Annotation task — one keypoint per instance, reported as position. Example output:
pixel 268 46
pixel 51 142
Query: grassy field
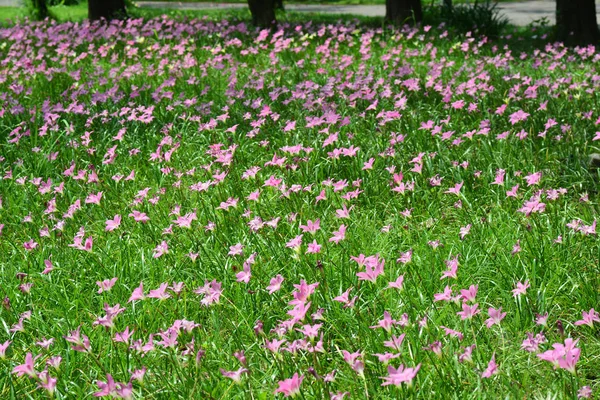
pixel 191 208
pixel 62 13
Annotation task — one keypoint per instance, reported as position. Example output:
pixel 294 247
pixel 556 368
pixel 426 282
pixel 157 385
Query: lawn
pixel 192 208
pixel 62 13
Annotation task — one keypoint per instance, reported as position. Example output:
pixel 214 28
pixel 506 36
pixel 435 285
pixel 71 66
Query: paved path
pixel 519 13
pixel 11 3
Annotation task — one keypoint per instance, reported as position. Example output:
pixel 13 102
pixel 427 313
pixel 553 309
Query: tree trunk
pixel 576 22
pixel 107 9
pixel 400 12
pixel 263 13
pixel 40 9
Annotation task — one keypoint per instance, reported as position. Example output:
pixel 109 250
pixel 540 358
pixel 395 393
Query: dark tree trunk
pixel 107 9
pixel 576 22
pixel 263 13
pixel 40 9
pixel 400 12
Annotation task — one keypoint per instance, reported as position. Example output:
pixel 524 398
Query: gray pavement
pixel 519 13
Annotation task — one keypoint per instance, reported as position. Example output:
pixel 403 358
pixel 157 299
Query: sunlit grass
pixel 198 209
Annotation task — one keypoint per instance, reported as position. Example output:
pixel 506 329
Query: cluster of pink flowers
pixel 187 203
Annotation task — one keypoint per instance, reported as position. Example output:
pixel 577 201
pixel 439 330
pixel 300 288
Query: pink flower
pixel 138 375
pixel 311 227
pixel 160 293
pixel 357 366
pixel 446 295
pixel 78 240
pixel 186 220
pixel 435 347
pixel 298 313
pixel 386 323
pixel 470 293
pixel 94 198
pixel 236 376
pixel 160 249
pixel 112 224
pixel 585 392
pixel 30 245
pixel 467 354
pixel 495 317
pixel 339 395
pixel 339 235
pixel 26 368
pixel 518 117
pixel 79 342
pixel 114 389
pixel 492 368
pixel 400 375
pixel 395 343
pixel 3 348
pixel 563 356
pixel 137 294
pixel 245 274
pixel 124 336
pixel 372 271
pixel 521 288
pixel 452 332
pixel 532 343
pixel 275 284
pixel 106 284
pixel 139 216
pixel 295 242
pixel 499 179
pixel 533 205
pixel 344 298
pixel 48 267
pixel 513 191
pixel 452 265
pixel 397 284
pixel 313 248
pixel 541 319
pixel 310 331
pixel 534 178
pixel 468 311
pixel 464 231
pixel 212 292
pixel 455 190
pixel 236 250
pixel 589 318
pixel 45 381
pixel 368 164
pixel 290 387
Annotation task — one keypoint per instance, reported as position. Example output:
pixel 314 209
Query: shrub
pixel 481 18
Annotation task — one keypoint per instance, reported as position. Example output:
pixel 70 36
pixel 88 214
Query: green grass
pixel 62 13
pixel 12 13
pixel 179 118
pixel 70 13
